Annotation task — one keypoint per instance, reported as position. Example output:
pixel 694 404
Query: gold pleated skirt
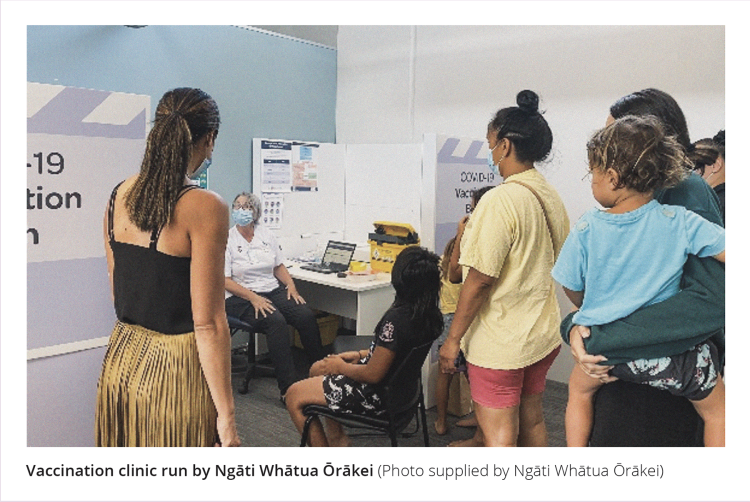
pixel 152 391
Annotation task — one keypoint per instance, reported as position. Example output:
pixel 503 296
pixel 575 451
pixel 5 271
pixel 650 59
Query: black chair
pixel 402 395
pixel 236 325
pixel 346 343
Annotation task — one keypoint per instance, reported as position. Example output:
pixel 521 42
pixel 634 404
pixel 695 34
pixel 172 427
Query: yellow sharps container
pixel 388 240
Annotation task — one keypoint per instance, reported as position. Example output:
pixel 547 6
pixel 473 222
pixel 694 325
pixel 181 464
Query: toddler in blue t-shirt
pixel 630 255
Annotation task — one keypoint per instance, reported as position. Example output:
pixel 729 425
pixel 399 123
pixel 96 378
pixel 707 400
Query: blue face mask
pixel 242 217
pixel 491 163
pixel 495 170
pixel 201 169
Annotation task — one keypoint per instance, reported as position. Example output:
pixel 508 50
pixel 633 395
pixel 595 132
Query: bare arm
pixel 720 257
pixel 474 293
pixel 454 269
pixel 575 297
pixel 319 368
pixel 373 372
pixel 207 223
pixel 282 274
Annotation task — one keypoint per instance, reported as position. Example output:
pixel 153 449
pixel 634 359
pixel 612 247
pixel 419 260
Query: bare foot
pixel 473 441
pixel 468 422
pixel 440 427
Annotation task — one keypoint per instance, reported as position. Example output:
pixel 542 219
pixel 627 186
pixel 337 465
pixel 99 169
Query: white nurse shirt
pixel 251 264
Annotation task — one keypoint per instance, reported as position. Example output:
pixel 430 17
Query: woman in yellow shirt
pixel 507 317
pixel 450 287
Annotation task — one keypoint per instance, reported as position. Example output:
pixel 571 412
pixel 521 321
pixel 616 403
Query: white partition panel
pixel 383 183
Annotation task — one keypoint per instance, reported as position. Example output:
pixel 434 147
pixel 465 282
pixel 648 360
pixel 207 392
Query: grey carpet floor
pixel 263 421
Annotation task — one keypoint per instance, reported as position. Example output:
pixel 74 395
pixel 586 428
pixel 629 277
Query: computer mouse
pixel 341 275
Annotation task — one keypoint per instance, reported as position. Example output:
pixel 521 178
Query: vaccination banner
pixel 80 144
pixel 461 169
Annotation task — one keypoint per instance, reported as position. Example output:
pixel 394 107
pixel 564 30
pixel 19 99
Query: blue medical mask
pixel 242 217
pixel 201 169
pixel 491 163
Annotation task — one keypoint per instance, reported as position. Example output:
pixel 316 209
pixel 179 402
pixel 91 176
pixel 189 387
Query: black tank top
pixel 151 288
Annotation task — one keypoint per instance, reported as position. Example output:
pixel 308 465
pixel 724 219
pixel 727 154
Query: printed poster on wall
pixel 305 166
pixel 288 166
pixel 272 210
pixel 276 166
pixel 461 169
pixel 80 144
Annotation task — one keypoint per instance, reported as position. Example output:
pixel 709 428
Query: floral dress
pixel 346 395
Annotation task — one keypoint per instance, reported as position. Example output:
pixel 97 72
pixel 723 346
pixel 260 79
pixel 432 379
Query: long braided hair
pixel 184 116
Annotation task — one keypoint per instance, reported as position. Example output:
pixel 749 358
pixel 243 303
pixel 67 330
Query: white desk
pixel 363 301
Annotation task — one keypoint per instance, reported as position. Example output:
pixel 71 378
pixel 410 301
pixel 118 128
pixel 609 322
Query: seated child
pixel 352 382
pixel 630 255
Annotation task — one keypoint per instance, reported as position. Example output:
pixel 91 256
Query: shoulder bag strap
pixel 544 211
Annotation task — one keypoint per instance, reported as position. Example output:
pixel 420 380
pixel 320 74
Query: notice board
pixel 308 178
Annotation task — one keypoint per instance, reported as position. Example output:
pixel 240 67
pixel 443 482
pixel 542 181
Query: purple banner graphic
pixel 461 170
pixel 65 114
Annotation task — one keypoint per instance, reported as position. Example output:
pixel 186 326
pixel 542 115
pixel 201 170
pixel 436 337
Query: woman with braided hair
pixel 165 380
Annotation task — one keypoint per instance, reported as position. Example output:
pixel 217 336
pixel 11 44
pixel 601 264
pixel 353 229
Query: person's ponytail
pixel 183 117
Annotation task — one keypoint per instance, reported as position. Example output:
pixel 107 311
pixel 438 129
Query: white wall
pixel 396 83
pixel 383 183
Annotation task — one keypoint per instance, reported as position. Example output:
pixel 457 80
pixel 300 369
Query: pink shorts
pixel 498 389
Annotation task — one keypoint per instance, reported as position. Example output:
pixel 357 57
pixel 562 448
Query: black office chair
pixel 402 395
pixel 346 343
pixel 236 325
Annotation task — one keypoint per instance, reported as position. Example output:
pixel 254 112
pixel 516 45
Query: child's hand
pixel 462 224
pixel 584 331
pixel 351 357
pixel 330 365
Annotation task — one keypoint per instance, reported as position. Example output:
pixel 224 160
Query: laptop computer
pixel 336 258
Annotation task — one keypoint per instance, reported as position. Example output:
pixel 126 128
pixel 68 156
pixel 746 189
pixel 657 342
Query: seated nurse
pixel 260 291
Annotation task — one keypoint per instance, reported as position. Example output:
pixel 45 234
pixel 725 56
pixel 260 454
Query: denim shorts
pixel 447 320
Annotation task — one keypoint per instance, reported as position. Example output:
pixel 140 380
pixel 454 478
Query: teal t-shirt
pixel 678 323
pixel 627 261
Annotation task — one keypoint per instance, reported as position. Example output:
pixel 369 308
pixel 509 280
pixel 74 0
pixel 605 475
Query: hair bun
pixel 528 101
pixel 719 138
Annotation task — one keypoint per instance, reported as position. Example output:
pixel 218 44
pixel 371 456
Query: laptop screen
pixel 338 254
